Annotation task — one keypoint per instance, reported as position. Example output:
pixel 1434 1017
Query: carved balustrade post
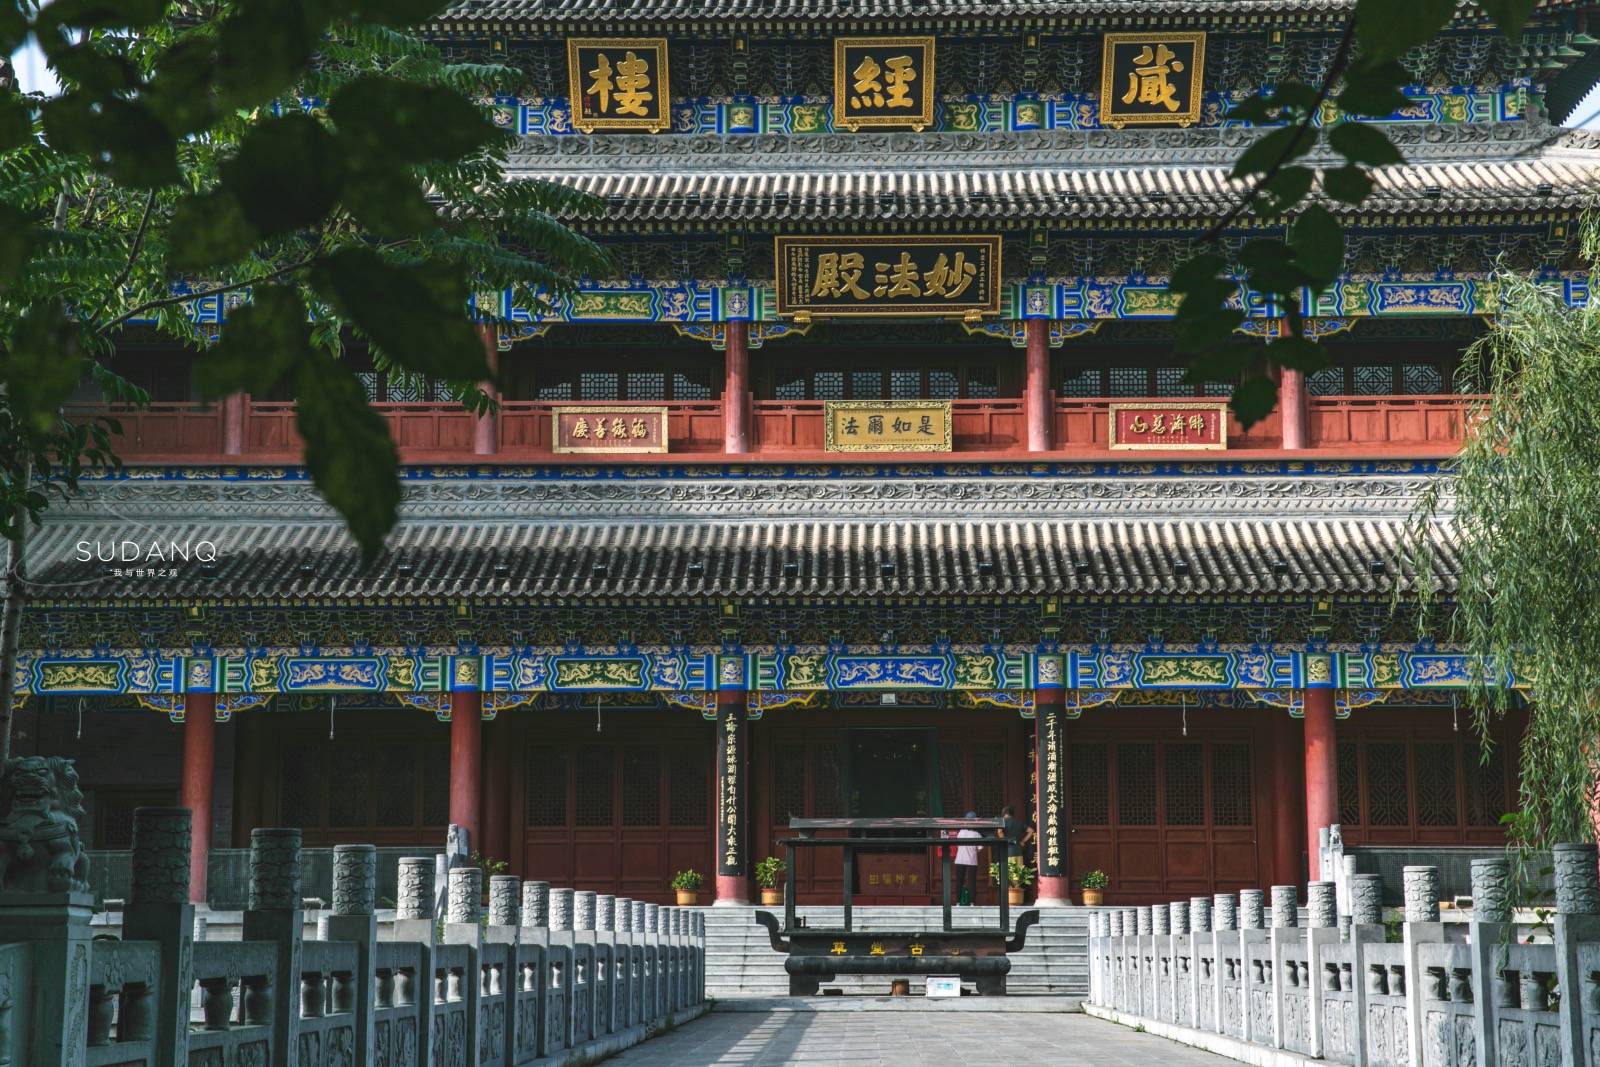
pixel 274 913
pixel 1421 926
pixel 1488 930
pixel 354 918
pixel 1577 920
pixel 414 922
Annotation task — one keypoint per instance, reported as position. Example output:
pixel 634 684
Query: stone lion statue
pixel 40 805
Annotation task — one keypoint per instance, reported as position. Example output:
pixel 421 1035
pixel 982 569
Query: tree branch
pixel 133 256
pixel 1341 60
pixel 184 298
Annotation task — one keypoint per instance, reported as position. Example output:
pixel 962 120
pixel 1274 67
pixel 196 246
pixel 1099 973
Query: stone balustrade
pixel 1342 988
pixel 536 980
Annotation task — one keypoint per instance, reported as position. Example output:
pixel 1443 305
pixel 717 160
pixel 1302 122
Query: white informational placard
pixel 944 985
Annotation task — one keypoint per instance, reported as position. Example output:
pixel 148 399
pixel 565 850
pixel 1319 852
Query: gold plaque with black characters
pixel 618 83
pixel 885 82
pixel 1152 79
pixel 887 274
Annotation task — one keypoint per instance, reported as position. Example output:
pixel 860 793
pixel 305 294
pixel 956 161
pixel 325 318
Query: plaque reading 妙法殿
pixel 618 83
pixel 1152 79
pixel 883 82
pixel 888 275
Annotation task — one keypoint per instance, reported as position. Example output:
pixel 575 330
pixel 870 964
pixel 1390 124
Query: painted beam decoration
pixel 1152 79
pixel 884 274
pixel 609 428
pixel 619 83
pixel 886 426
pixel 1194 425
pixel 883 82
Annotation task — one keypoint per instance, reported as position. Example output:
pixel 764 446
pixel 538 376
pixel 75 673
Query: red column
pixel 1322 772
pixel 1050 814
pixel 1287 751
pixel 736 389
pixel 731 835
pixel 466 754
pixel 234 406
pixel 486 432
pixel 199 771
pixel 1292 407
pixel 1036 390
pixel 496 794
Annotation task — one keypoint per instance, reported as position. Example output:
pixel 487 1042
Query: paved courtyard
pixel 914 1039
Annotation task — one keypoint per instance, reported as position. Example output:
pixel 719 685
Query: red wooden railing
pixel 183 431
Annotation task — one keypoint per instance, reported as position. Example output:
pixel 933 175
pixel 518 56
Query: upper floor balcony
pixel 252 431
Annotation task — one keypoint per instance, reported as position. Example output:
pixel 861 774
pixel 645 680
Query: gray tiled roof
pixel 649 10
pixel 273 560
pixel 889 178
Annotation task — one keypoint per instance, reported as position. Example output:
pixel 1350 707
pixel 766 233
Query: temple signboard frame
pixel 1152 79
pixel 883 82
pixel 619 83
pixel 922 275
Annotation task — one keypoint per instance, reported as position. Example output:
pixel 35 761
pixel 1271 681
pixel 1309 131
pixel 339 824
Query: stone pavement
pixel 870 1039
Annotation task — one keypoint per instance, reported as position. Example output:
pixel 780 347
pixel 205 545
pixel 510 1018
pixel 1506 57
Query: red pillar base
pixel 732 891
pixel 1054 892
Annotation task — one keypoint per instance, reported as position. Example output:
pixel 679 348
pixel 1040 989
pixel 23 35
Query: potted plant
pixel 768 872
pixel 688 884
pixel 1094 888
pixel 1019 875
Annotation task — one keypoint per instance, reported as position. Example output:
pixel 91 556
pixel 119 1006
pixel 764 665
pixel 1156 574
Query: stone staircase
pixel 740 961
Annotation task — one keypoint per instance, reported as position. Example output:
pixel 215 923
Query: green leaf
pixel 1372 88
pixel 286 175
pixel 41 365
pixel 61 15
pixel 1224 363
pixel 1252 109
pixel 180 89
pixel 1283 145
pixel 1317 240
pixel 208 230
pixel 1197 270
pixel 1253 400
pixel 1361 143
pixel 1204 330
pixel 1298 353
pixel 1349 184
pixel 1509 15
pixel 391 12
pixel 397 122
pixel 16 122
pixel 261 344
pixel 16 241
pixel 1272 266
pixel 264 46
pixel 349 453
pixel 1388 28
pixel 389 201
pixel 123 138
pixel 1287 188
pixel 1294 94
pixel 414 314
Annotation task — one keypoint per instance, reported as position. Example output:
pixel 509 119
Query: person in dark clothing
pixel 1017 832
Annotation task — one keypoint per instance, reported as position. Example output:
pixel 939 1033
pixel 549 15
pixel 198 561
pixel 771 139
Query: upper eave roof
pixel 1501 168
pixel 630 11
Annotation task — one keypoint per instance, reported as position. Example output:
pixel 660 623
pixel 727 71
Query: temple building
pixel 869 483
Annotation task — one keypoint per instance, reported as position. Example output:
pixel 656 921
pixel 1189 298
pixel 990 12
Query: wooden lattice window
pixel 435 785
pixel 953 780
pixel 1136 785
pixel 1088 790
pixel 688 771
pixel 1349 777
pixel 1388 784
pixel 988 779
pixel 1436 783
pixel 362 785
pixel 1232 792
pixel 1486 785
pixel 788 782
pixel 300 781
pixel 348 789
pixel 641 787
pixel 825 779
pixel 546 794
pixel 595 773
pixel 393 767
pixel 1186 797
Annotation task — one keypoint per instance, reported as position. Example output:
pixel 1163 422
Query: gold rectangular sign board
pixel 886 425
pixel 884 82
pixel 618 83
pixel 826 276
pixel 1152 79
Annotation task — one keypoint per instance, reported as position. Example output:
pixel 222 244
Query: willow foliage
pixel 1523 511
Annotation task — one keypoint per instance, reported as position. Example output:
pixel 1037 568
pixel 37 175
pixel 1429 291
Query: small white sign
pixel 944 985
